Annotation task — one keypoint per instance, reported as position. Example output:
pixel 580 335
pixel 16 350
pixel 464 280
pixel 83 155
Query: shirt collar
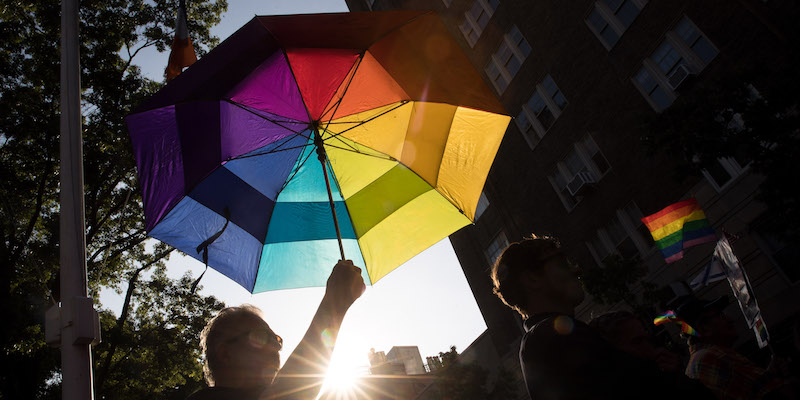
pixel 536 318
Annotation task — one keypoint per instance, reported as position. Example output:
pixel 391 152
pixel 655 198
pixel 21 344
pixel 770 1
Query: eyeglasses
pixel 260 338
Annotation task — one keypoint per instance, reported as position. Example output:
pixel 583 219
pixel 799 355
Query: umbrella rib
pixel 336 135
pixel 261 116
pixel 296 170
pixel 339 101
pixel 388 158
pixel 277 148
pixel 402 103
pixel 347 144
pixel 344 92
pixel 294 77
pixel 268 152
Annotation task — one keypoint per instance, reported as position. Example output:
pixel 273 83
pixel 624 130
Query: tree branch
pixel 96 227
pixel 130 245
pixel 123 317
pixel 131 56
pixel 94 205
pixel 15 252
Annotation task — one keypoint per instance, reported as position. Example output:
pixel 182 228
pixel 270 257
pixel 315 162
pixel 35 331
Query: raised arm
pixel 304 371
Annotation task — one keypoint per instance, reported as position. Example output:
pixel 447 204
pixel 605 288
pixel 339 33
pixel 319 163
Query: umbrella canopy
pixel 234 153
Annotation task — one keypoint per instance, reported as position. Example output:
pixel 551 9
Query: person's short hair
pixel 607 324
pixel 529 254
pixel 220 329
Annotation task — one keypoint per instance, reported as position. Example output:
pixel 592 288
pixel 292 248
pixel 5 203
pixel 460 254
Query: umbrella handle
pixel 322 159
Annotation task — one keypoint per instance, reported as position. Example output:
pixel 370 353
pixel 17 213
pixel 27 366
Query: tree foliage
pixel 112 33
pixel 458 380
pixel 158 348
pixel 751 114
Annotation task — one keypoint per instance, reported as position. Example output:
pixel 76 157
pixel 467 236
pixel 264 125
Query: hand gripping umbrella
pixel 304 139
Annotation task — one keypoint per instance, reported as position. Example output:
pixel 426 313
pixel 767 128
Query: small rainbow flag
pixel 670 316
pixel 678 227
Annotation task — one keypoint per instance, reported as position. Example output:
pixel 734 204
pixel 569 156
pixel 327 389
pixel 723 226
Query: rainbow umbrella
pixel 304 139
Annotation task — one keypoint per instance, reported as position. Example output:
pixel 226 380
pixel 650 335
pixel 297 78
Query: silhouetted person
pixel 717 365
pixel 241 351
pixel 561 357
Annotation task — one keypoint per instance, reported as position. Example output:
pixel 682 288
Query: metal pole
pixel 76 364
pixel 322 159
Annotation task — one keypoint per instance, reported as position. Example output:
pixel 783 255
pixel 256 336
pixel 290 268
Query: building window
pixel 684 51
pixel 496 247
pixel 476 19
pixel 483 204
pixel 725 171
pixel 654 90
pixel 541 111
pixel 508 59
pixel 624 235
pixel 609 19
pixel 577 173
pixel 695 41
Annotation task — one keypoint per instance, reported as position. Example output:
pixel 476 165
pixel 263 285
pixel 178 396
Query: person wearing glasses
pixel 562 357
pixel 241 352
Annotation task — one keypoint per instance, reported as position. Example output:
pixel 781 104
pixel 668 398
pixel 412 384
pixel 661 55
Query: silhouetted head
pixel 240 349
pixel 534 275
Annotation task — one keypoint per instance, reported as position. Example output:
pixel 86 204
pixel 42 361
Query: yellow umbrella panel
pixel 410 174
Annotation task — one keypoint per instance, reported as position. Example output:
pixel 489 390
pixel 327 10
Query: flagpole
pixel 323 160
pixel 76 310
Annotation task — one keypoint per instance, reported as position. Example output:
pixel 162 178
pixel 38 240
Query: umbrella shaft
pixel 322 159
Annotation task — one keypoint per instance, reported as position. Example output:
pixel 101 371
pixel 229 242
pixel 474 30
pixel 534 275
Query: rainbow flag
pixel 678 227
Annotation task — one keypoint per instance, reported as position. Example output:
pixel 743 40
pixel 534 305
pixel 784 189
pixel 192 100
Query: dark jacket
pixel 563 358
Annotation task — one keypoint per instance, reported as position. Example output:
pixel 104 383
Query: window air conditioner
pixel 678 76
pixel 579 183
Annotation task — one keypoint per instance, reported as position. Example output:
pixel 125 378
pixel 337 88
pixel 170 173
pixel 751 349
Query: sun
pixel 342 378
pixel 344 375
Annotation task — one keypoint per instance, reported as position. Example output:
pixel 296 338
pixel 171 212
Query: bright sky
pixel 426 302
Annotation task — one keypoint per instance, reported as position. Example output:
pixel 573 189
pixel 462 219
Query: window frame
pixel 589 165
pixel 534 124
pixel 473 22
pixel 732 168
pixel 611 19
pixel 631 228
pixel 482 206
pixel 507 44
pixel 692 61
pixel 500 249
